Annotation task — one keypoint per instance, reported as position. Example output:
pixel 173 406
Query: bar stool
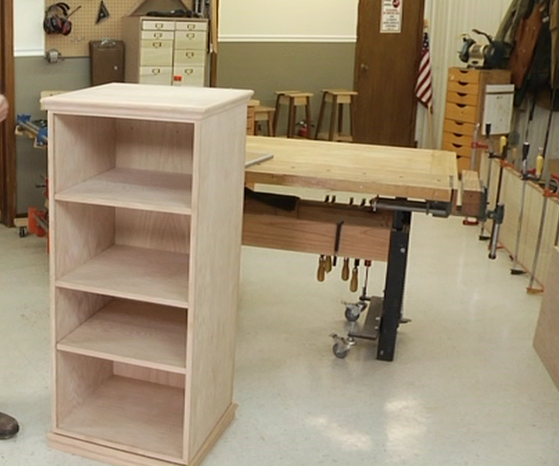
pixel 264 114
pixel 293 99
pixel 336 98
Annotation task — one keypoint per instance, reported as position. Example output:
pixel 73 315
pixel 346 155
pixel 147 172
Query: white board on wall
pixel 288 20
pixel 28 28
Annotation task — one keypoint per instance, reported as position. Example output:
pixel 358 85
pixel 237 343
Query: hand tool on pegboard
pixel 354 283
pixel 525 177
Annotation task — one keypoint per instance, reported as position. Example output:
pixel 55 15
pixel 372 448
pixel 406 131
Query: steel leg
pixel 394 285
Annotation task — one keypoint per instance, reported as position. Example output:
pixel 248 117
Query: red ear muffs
pixel 56 19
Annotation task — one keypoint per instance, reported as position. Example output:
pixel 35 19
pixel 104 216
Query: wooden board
pixel 138 333
pixel 153 276
pixel 358 168
pixel 134 189
pixel 110 417
pixel 546 342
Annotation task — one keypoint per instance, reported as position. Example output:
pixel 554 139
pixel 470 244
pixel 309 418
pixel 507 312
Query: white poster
pixel 391 18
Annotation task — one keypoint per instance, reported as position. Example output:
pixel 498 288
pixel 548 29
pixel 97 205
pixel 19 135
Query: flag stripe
pixel 424 84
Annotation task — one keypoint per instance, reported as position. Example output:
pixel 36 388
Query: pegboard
pixel 84 29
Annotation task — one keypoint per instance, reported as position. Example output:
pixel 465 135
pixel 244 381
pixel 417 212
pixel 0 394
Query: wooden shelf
pixel 131 415
pixel 147 335
pixel 134 189
pixel 141 274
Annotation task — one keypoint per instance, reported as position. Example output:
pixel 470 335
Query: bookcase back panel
pixel 154 230
pixel 154 145
pixel 88 143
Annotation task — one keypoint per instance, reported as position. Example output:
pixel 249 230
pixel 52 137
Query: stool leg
pixel 276 114
pixel 291 119
pixel 309 118
pixel 270 126
pixel 333 118
pixel 340 119
pixel 320 116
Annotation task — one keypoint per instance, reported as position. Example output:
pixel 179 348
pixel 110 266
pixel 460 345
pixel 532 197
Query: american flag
pixel 424 85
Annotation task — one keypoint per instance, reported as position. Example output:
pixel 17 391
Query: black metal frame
pixel 394 285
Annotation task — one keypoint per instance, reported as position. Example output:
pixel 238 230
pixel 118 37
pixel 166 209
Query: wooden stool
pixel 293 99
pixel 262 113
pixel 336 98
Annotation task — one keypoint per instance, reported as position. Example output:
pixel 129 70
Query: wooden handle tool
pixel 345 270
pixel 328 264
pixel 321 273
pixel 354 283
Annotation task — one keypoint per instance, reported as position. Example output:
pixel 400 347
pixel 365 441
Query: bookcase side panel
pixel 82 147
pixel 219 154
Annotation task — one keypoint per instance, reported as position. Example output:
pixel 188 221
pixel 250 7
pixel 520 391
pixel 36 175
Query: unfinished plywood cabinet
pixel 146 202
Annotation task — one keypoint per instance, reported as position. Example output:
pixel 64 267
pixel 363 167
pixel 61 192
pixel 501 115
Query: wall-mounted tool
pixel 525 177
pixel 103 12
pixel 321 273
pixel 345 270
pixel 57 19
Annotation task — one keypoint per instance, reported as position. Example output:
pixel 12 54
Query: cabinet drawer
pixel 462 99
pixel 190 57
pixel 189 76
pixel 459 127
pixel 156 53
pixel 190 40
pixel 461 149
pixel 464 75
pixel 151 25
pixel 463 88
pixel 191 26
pixel 460 139
pixel 467 113
pixel 158 35
pixel 155 75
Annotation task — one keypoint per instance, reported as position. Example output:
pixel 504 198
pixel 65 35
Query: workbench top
pixel 357 168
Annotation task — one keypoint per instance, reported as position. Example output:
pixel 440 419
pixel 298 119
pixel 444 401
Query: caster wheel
pixel 22 232
pixel 340 351
pixel 351 315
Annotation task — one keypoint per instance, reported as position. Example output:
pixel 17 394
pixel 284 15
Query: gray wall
pixel 33 75
pixel 262 67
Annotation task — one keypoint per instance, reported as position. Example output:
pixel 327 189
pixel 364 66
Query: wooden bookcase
pixel 146 193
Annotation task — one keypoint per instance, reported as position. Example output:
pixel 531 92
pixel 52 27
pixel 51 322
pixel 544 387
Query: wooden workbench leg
pixel 309 118
pixel 320 116
pixel 394 286
pixel 276 114
pixel 291 122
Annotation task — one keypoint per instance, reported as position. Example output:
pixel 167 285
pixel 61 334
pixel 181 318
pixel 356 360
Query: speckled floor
pixel 466 387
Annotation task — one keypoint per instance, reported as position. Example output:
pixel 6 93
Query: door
pixel 7 136
pixel 386 67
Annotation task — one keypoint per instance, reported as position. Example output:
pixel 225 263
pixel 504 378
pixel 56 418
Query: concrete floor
pixel 466 387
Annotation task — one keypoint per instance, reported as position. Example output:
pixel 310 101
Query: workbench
pixel 395 182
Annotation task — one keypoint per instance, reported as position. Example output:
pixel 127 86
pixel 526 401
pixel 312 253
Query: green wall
pixel 262 67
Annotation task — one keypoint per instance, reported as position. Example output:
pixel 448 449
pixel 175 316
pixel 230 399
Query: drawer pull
pixel 457 146
pixel 189 54
pixel 460 94
pixel 159 25
pixel 190 26
pixel 156 71
pixel 190 35
pixel 462 83
pixel 157 35
pixel 189 71
pixel 157 45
